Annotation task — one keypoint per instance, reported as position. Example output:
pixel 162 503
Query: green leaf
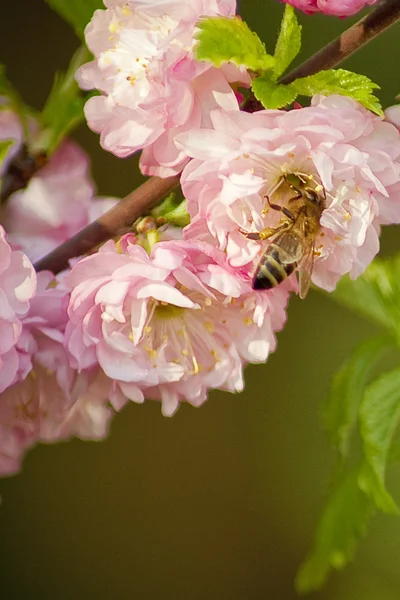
pixel 179 216
pixel 342 524
pixel 271 94
pixel 394 453
pixel 172 210
pixel 77 13
pixel 64 107
pixel 376 294
pixel 289 41
pixel 340 412
pixel 223 39
pixel 5 145
pixel 167 205
pixel 340 81
pixel 379 417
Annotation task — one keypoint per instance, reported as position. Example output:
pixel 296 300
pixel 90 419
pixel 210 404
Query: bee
pixel 292 245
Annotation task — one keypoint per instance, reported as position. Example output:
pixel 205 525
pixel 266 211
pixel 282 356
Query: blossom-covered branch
pixel 151 192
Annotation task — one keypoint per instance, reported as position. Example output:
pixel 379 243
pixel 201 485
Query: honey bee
pixel 292 245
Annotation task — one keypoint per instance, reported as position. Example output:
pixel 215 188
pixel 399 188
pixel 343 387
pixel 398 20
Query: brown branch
pixel 152 191
pixel 385 14
pixel 108 225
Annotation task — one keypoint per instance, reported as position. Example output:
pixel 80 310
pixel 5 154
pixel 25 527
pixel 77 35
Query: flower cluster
pixel 152 87
pixel 240 165
pixel 51 402
pixel 271 193
pixel 58 201
pixel 169 325
pixel 339 8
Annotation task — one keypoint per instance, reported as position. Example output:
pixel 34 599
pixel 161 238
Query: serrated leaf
pixel 340 81
pixel 376 294
pixel 379 417
pixel 64 107
pixel 340 412
pixel 223 39
pixel 77 13
pixel 271 94
pixel 342 524
pixel 289 41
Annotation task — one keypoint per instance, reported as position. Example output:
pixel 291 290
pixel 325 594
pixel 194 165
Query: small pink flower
pixel 152 87
pixel 55 205
pixel 168 326
pixel 346 149
pixel 52 402
pixel 38 410
pixel 17 287
pixel 392 114
pixel 339 8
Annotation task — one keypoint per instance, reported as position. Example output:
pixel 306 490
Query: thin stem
pixel 152 191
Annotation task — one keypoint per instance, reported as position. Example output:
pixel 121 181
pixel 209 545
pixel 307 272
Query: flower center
pixel 182 336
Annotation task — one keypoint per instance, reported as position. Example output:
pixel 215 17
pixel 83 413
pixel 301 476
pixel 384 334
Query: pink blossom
pixel 82 406
pixel 339 8
pixel 56 204
pixel 352 153
pixel 168 326
pixel 53 402
pixel 17 286
pixel 38 410
pixel 152 88
pixel 392 114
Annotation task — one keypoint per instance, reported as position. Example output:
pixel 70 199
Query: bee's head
pixel 294 180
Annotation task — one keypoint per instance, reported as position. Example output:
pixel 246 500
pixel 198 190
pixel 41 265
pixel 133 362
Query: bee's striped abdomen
pixel 270 271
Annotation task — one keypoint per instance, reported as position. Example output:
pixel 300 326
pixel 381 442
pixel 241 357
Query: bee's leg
pixel 266 233
pixel 285 211
pixel 297 197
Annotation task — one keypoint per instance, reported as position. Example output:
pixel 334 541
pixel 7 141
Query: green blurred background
pixel 218 502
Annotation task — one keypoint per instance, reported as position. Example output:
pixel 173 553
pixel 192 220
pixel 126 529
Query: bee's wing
pixel 291 243
pixel 306 267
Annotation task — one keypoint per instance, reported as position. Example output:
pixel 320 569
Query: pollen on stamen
pixel 196 366
pixel 208 301
pixel 126 10
pixel 151 352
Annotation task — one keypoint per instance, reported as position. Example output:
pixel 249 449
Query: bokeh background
pixel 217 502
